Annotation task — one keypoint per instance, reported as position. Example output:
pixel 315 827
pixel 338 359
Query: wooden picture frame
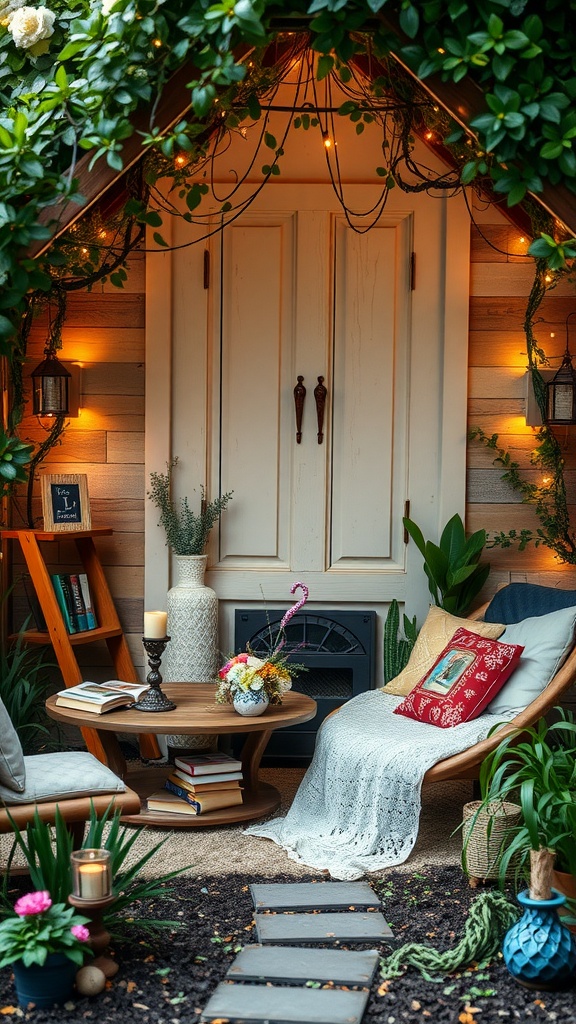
pixel 65 502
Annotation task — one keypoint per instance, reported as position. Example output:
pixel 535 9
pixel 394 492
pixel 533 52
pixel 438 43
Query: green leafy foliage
pixel 536 768
pixel 24 682
pixel 31 937
pixel 453 568
pixel 398 644
pixel 549 499
pixel 186 532
pixel 14 457
pixel 47 849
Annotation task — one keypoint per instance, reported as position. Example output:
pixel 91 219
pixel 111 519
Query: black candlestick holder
pixel 154 699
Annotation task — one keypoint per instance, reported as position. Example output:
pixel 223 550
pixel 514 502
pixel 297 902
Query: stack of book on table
pixel 205 782
pixel 96 698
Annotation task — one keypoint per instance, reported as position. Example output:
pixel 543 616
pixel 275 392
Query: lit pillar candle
pixel 93 881
pixel 155 624
pixel 91 874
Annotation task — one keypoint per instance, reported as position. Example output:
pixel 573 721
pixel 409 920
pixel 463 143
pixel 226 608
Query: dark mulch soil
pixel 167 977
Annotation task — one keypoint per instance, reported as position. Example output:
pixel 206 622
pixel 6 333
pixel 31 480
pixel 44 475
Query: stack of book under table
pixel 200 783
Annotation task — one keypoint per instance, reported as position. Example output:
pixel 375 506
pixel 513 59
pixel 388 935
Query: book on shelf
pixel 87 598
pixel 206 801
pixel 208 764
pixel 205 783
pixel 96 698
pixel 64 598
pixel 79 608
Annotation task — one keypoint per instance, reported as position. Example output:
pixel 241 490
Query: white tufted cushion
pixel 62 775
pixel 12 770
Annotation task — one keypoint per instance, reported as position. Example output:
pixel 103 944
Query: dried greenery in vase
pixel 186 532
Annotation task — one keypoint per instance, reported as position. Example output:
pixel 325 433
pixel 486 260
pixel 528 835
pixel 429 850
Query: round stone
pixel 90 980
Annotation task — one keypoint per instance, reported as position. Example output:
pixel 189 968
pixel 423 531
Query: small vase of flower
pixel 251 683
pixel 45 942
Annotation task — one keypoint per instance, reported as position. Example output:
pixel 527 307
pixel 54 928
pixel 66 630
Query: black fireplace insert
pixel 338 650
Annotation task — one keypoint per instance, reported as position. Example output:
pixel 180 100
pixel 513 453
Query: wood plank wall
pixel 105 333
pixel 501 277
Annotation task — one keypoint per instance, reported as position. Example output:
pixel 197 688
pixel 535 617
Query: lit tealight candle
pixel 155 624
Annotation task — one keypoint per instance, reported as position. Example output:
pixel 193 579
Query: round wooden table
pixel 196 712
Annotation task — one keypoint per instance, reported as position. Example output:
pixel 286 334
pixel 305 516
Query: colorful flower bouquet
pixel 39 927
pixel 273 675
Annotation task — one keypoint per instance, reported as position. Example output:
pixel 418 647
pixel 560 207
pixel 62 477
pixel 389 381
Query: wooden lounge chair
pixel 466 765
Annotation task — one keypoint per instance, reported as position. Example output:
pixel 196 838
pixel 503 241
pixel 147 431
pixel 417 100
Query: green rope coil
pixel 490 917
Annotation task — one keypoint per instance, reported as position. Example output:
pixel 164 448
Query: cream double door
pixel 294 290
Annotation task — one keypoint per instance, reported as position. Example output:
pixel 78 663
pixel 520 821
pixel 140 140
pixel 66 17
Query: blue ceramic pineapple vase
pixel 539 951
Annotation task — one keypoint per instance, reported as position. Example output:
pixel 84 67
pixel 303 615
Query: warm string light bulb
pixel 327 140
pixel 180 160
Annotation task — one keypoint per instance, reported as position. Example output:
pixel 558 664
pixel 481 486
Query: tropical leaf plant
pixel 453 568
pixel 536 768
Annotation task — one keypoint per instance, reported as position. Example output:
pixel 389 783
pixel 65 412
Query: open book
pixel 99 697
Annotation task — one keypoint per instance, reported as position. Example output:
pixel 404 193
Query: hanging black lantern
pixel 561 390
pixel 50 383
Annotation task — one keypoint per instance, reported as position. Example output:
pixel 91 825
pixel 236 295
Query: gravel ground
pixel 167 977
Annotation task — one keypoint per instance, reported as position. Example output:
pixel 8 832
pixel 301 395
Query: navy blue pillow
pixel 520 601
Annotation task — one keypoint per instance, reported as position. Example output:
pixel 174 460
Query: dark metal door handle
pixel 299 396
pixel 320 393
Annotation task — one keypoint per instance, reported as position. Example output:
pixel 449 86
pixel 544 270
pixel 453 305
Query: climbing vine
pixel 549 498
pixel 80 78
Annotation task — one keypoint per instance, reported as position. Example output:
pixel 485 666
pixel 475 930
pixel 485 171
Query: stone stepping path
pixel 315 896
pixel 297 966
pixel 275 959
pixel 297 929
pixel 245 1004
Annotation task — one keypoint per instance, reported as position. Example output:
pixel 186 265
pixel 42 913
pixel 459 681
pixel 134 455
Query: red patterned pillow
pixel 462 682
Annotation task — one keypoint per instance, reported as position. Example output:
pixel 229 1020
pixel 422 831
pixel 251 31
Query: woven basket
pixel 485 837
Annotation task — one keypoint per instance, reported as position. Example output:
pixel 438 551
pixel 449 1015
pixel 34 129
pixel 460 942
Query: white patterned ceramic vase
pixel 192 654
pixel 250 703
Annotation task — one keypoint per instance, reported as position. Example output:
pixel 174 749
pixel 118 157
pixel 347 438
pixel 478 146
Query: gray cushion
pixel 61 775
pixel 547 641
pixel 12 770
pixel 520 601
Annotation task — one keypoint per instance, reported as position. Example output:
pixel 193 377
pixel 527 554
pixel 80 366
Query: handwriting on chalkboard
pixel 66 505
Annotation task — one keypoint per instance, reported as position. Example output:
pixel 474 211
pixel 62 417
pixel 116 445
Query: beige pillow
pixel 437 630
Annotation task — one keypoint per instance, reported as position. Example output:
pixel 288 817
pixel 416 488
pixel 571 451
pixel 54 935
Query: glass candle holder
pixel 91 874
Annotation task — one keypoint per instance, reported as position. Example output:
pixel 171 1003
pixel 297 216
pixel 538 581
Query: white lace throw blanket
pixel 358 806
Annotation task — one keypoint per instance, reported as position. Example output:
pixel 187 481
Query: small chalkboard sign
pixel 65 504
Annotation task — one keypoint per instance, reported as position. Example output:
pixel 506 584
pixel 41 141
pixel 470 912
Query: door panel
pixel 370 360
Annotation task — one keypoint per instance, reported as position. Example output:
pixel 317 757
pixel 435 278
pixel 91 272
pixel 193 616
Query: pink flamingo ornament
pixel 295 607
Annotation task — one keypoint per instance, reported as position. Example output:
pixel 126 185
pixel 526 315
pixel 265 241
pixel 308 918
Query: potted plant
pixel 192 654
pixel 536 767
pixel 186 532
pixel 45 942
pixel 453 568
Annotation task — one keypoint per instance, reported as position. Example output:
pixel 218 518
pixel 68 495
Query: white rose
pixel 7 7
pixel 29 25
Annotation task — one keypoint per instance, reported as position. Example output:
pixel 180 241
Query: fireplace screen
pixel 337 648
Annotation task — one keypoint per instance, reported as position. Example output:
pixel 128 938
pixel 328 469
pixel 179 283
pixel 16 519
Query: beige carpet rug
pixel 213 851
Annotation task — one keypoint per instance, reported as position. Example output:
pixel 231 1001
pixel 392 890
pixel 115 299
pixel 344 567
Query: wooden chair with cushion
pixel 544 619
pixel 71 781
